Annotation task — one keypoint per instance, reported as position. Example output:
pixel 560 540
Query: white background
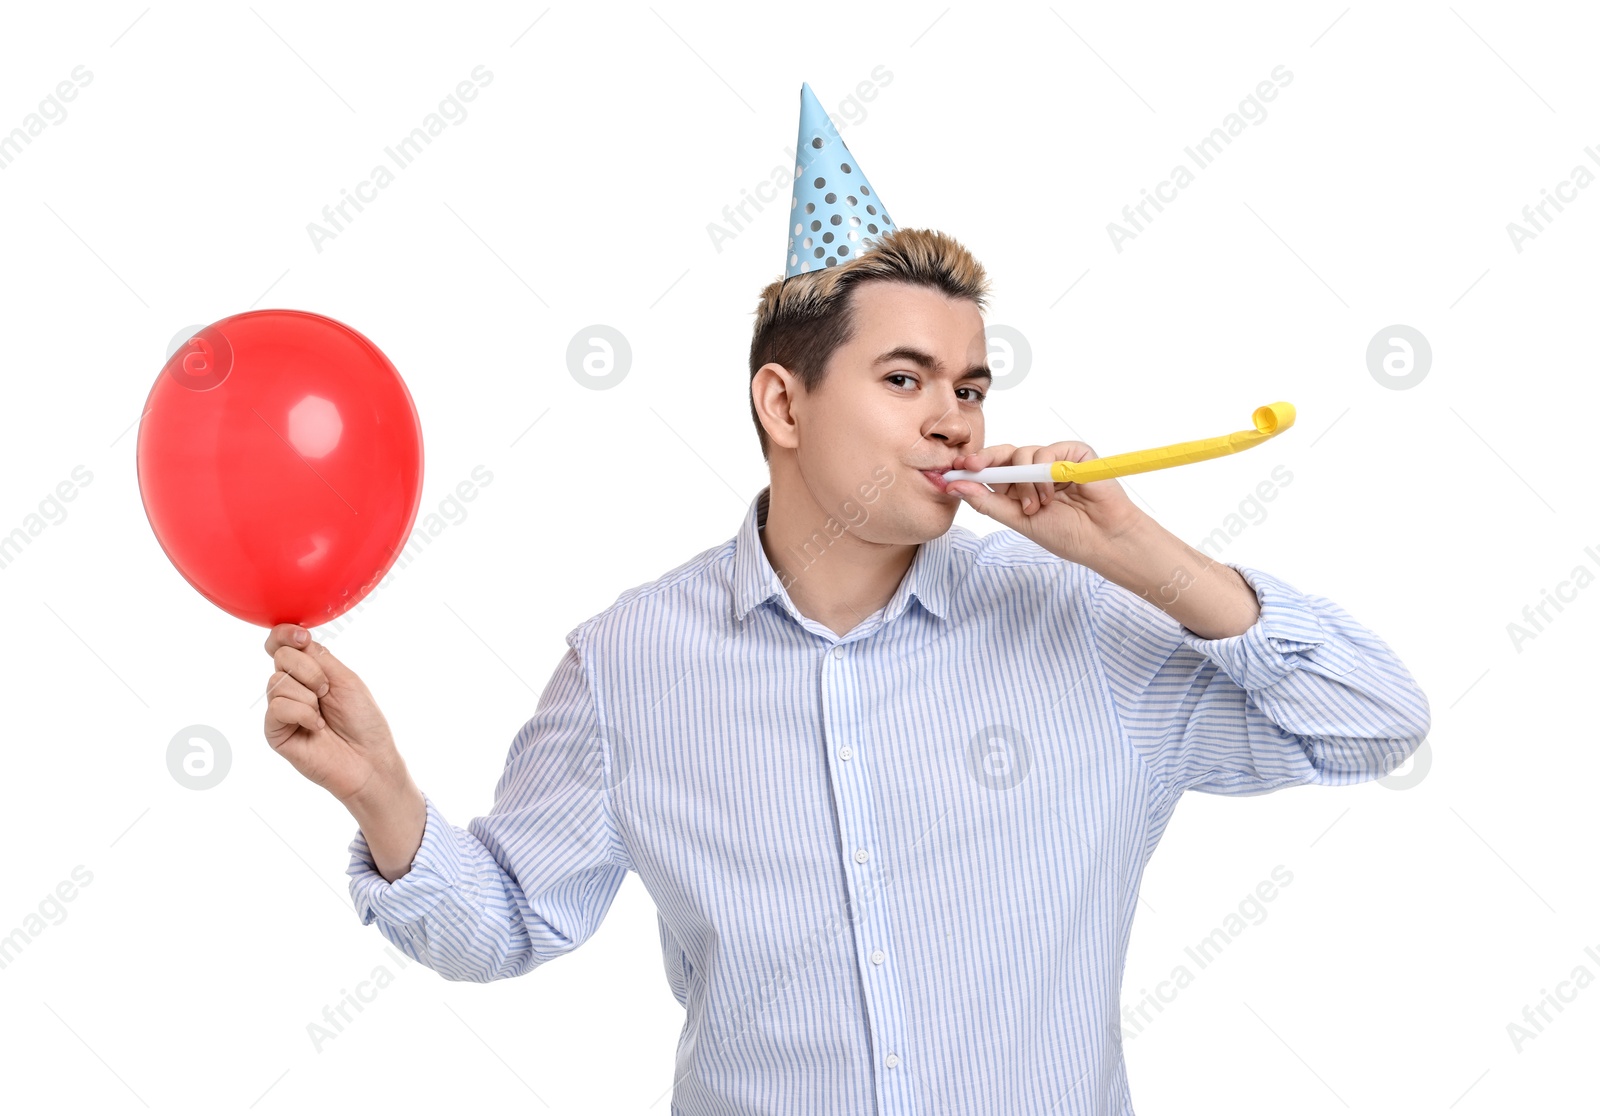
pixel 578 190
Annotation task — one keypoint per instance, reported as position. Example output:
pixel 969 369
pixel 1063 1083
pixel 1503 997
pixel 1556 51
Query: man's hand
pixel 1077 522
pixel 322 719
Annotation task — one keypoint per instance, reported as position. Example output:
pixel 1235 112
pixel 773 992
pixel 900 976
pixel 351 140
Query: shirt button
pixel 838 652
pixel 877 957
pixel 892 1060
pixel 846 752
pixel 861 856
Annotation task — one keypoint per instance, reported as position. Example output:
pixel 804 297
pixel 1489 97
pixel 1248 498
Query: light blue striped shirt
pixel 895 870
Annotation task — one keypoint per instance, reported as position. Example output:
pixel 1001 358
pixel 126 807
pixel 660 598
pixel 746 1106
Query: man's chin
pixel 938 519
pixel 911 526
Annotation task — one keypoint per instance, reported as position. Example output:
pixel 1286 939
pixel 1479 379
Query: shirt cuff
pixel 1286 637
pixel 434 872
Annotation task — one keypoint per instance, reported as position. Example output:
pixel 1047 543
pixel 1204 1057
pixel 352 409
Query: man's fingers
pixel 285 635
pixel 1014 504
pixel 282 684
pixel 330 663
pixel 306 670
pixel 1026 491
pixel 283 711
pixel 296 638
pixel 993 504
pixel 990 455
pixel 1004 454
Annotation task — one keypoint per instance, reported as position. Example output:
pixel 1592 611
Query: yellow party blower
pixel 1274 418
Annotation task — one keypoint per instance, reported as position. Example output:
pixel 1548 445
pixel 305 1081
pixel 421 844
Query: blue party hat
pixel 835 213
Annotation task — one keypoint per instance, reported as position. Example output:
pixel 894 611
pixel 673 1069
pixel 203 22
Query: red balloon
pixel 280 465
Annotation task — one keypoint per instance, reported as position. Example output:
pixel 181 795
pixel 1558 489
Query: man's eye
pixel 978 396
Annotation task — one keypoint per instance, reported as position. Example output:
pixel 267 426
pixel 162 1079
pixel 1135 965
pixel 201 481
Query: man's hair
pixel 801 320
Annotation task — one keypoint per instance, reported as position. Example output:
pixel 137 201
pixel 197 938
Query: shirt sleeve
pixel 1305 695
pixel 530 880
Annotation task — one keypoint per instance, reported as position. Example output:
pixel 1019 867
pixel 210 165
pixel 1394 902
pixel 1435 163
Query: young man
pixel 891 785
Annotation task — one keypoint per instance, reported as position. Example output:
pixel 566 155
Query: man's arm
pixel 392 817
pixel 1289 689
pixel 521 885
pixel 1209 598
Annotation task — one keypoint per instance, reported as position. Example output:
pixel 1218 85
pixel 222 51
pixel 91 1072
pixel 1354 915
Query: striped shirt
pixel 895 871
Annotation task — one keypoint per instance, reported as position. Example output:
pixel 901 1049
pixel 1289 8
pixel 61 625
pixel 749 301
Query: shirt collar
pixel 755 581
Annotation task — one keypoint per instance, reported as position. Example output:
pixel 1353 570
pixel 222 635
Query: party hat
pixel 835 213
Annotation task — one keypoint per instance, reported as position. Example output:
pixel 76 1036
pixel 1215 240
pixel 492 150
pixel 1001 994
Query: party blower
pixel 1274 418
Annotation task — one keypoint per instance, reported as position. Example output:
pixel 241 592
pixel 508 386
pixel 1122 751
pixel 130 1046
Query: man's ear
pixel 773 392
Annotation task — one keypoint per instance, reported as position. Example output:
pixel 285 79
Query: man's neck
pixel 831 576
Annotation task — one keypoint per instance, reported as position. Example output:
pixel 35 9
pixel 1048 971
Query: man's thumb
pixel 991 504
pixel 327 660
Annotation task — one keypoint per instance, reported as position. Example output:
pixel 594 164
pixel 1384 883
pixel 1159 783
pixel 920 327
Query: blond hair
pixel 801 320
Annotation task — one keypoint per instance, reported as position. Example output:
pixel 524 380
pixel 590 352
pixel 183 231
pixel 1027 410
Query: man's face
pixel 883 413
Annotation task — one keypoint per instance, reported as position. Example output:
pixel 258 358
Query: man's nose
pixel 950 425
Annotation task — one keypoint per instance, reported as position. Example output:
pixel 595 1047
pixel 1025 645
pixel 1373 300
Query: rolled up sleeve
pixel 530 880
pixel 1305 695
pixel 434 877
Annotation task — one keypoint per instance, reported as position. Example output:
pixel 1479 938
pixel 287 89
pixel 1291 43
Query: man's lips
pixel 935 477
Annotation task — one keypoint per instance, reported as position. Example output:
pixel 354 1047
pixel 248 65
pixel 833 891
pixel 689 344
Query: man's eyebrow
pixel 929 363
